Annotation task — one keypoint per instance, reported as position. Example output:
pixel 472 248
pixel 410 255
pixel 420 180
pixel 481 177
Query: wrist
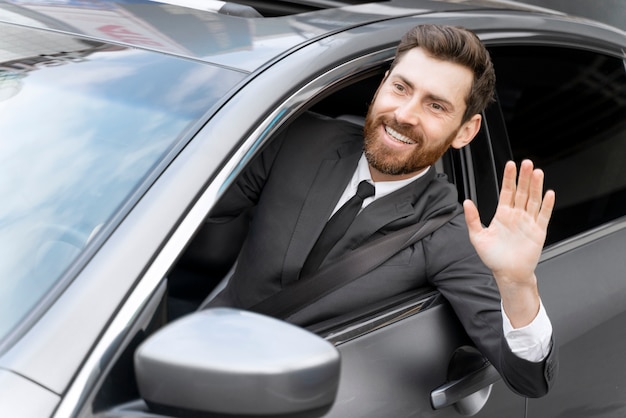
pixel 520 301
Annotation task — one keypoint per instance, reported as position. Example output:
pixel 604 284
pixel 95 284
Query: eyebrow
pixel 429 96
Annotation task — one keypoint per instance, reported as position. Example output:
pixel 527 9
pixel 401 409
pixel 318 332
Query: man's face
pixel 416 115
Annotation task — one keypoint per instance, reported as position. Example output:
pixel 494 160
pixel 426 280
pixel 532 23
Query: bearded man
pixel 431 99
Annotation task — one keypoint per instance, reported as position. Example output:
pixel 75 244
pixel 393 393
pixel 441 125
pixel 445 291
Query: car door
pixel 564 107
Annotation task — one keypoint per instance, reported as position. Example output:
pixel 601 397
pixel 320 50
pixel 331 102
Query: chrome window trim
pixel 583 238
pixel 106 349
pixel 380 318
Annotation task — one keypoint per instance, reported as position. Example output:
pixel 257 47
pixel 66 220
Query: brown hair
pixel 460 46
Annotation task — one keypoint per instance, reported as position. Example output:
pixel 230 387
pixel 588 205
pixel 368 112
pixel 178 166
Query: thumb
pixel 472 218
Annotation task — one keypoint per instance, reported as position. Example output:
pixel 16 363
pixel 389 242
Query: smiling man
pixel 430 99
pixel 417 116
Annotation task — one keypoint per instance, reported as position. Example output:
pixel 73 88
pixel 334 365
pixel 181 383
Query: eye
pixel 437 107
pixel 399 87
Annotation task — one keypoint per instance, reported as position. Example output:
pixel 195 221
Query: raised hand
pixel 511 245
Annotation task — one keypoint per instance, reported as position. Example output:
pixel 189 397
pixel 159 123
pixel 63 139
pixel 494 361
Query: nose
pixel 407 113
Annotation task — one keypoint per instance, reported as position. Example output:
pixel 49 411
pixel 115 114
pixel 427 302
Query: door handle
pixel 467 391
pixel 452 392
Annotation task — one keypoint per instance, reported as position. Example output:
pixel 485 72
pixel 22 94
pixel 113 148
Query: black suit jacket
pixel 294 186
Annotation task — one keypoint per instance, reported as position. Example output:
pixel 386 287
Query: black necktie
pixel 336 227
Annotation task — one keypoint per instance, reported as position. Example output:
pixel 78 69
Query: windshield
pixel 82 126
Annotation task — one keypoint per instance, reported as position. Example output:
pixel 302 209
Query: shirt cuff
pixel 532 342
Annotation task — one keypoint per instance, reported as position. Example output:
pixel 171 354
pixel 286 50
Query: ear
pixel 467 132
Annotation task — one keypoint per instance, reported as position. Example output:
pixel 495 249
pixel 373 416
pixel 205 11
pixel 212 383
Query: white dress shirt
pixel 532 342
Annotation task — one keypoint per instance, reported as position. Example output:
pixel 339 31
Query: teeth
pixel 398 136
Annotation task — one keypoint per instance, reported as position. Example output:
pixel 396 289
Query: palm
pixel 511 245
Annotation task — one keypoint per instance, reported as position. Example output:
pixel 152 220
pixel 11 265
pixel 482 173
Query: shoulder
pixel 449 248
pixel 453 234
pixel 435 195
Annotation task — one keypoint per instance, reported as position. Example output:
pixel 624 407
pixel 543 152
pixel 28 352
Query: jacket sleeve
pixel 244 193
pixel 457 272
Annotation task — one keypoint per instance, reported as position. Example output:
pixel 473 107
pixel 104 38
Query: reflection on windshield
pixel 79 132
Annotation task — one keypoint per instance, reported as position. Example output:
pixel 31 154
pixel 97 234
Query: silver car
pixel 123 123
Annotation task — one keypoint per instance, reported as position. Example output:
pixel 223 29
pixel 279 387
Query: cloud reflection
pixel 76 141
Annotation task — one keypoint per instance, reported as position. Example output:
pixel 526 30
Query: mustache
pixel 401 128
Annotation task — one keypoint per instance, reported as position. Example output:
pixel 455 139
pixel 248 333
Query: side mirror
pixel 232 362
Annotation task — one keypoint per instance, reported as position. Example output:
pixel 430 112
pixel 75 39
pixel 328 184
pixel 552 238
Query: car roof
pixel 239 42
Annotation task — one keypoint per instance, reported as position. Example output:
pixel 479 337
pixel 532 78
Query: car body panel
pixel 243 43
pixel 25 398
pixel 588 282
pixel 395 368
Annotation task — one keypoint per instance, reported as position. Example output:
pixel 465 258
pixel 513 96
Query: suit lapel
pixel 396 208
pixel 331 180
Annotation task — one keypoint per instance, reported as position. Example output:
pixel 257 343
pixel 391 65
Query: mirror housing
pixel 232 362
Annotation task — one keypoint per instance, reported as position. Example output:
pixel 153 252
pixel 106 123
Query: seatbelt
pixel 355 264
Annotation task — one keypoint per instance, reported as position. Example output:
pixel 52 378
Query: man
pixel 430 99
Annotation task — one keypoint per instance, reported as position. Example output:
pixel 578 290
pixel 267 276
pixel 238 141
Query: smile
pixel 398 136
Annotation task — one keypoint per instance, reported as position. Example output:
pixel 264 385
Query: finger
pixel 547 207
pixel 536 189
pixel 523 184
pixel 507 193
pixel 472 218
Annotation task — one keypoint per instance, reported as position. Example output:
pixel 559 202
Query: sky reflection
pixel 76 139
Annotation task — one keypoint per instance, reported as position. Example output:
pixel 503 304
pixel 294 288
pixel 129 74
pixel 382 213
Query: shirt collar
pixel 383 188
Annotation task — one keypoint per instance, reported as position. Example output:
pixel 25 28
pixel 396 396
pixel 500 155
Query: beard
pixel 391 162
